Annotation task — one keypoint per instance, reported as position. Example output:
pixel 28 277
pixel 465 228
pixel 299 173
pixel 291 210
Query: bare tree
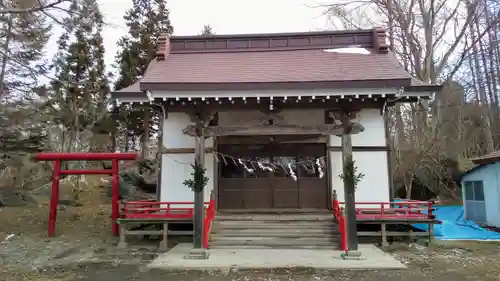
pixel 434 41
pixel 17 7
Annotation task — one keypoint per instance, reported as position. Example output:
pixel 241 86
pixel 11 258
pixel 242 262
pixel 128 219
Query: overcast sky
pixel 224 16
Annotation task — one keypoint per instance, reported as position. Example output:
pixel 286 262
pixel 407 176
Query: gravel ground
pixel 85 251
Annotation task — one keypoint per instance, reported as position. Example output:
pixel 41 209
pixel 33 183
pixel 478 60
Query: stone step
pixel 265 217
pixel 240 228
pixel 275 233
pixel 269 224
pixel 234 247
pixel 274 241
pixel 317 230
pixel 272 230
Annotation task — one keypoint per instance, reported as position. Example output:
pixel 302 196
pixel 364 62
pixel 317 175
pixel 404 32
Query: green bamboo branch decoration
pixel 350 174
pixel 198 181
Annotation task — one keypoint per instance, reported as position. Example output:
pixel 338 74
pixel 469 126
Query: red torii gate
pixel 57 172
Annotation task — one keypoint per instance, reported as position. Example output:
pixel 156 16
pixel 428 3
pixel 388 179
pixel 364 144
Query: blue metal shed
pixel 481 190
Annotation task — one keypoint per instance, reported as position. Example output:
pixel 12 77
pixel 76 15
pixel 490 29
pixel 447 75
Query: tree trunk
pixel 483 101
pixel 145 134
pixel 5 51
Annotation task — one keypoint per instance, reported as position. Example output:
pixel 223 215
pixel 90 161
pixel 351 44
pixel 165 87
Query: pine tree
pixel 22 39
pixel 81 91
pixel 146 20
pixel 207 30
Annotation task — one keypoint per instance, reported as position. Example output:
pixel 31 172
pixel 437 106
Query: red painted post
pixel 115 191
pixel 336 208
pixel 54 199
pixel 58 157
pixel 343 231
pixel 429 209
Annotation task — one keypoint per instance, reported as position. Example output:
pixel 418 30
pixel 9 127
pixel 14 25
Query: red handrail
pixel 339 217
pixel 343 232
pixel 387 210
pixel 207 224
pixel 152 209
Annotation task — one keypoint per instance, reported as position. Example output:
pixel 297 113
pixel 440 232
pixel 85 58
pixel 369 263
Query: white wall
pixel 176 168
pixel 374 187
pixel 491 187
pixel 174 174
pixel 172 132
pixel 374 133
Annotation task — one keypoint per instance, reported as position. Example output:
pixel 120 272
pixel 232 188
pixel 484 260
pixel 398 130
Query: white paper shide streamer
pixel 264 168
pixel 292 173
pixel 245 166
pixel 251 166
pixel 320 169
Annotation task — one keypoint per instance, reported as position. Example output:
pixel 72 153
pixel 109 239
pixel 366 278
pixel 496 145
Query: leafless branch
pixel 37 8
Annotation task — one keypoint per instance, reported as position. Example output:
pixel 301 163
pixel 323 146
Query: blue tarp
pixel 455 227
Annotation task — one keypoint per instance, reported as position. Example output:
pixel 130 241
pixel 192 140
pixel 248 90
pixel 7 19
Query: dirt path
pixel 59 260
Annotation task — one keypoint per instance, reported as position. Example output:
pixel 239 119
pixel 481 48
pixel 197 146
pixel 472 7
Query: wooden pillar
pixel 162 111
pixel 349 189
pixel 389 156
pixel 198 194
pixel 198 252
pixel 349 195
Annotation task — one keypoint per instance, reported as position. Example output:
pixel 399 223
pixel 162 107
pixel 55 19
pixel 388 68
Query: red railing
pixel 410 209
pixel 58 171
pixel 169 210
pixel 207 224
pixel 339 216
pixel 153 209
pixel 393 210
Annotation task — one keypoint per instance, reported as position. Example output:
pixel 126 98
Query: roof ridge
pixel 263 50
pixel 271 34
pixel 375 38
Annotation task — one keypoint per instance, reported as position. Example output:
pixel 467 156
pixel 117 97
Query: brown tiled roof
pixel 257 61
pixel 489 158
pixel 273 66
pixel 132 89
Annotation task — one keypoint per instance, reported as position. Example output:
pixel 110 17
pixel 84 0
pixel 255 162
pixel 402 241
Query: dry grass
pixel 91 219
pixel 88 226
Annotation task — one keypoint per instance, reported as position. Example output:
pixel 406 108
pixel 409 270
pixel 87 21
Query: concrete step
pixel 325 229
pixel 274 241
pixel 274 217
pixel 286 231
pixel 277 229
pixel 274 233
pixel 235 247
pixel 269 224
